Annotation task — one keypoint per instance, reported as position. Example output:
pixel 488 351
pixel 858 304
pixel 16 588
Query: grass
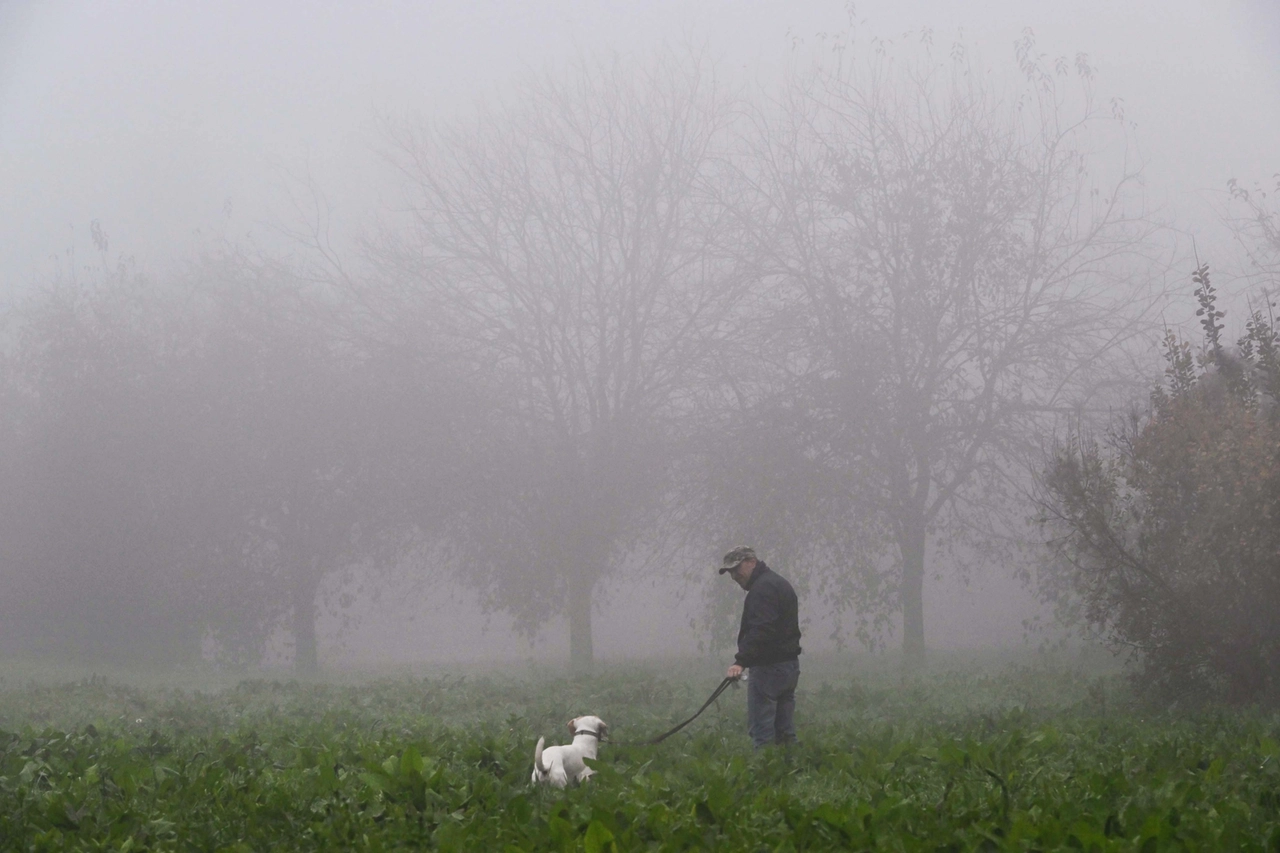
pixel 981 754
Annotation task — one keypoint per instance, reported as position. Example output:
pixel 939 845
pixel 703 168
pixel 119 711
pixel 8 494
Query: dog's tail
pixel 537 757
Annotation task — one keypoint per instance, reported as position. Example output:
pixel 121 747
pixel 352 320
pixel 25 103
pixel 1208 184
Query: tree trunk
pixel 911 544
pixel 580 652
pixel 305 659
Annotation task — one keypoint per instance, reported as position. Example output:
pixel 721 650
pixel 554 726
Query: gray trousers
pixel 771 702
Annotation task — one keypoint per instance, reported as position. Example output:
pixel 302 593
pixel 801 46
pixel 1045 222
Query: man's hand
pixel 735 672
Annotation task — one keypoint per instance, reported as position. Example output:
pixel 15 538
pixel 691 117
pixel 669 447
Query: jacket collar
pixel 760 569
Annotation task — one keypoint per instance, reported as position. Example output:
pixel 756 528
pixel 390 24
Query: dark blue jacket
pixel 770 631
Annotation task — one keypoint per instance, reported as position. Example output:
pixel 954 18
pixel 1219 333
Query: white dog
pixel 557 765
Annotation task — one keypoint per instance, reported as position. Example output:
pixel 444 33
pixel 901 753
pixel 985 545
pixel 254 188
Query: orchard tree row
pixel 629 311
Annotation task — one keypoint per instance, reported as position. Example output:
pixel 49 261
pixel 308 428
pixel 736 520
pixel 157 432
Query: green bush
pixel 1168 532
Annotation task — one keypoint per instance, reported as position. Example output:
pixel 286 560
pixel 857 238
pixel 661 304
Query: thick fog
pixel 164 121
pixel 176 142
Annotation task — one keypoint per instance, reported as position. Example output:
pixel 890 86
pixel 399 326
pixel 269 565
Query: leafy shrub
pixel 1169 531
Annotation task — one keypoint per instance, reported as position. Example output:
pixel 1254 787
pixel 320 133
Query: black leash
pixel 660 738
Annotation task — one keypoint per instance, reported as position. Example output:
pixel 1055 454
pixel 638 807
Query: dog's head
pixel 589 725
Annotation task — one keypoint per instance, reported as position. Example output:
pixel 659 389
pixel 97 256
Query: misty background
pixel 157 134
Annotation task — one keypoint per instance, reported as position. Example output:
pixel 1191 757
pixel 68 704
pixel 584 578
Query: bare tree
pixel 961 276
pixel 1253 216
pixel 571 245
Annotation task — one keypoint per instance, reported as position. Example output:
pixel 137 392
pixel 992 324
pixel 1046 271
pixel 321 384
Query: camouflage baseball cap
pixel 734 557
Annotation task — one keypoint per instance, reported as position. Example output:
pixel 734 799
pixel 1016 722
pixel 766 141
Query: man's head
pixel 740 563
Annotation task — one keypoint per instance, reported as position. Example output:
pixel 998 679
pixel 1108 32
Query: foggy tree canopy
pixel 573 246
pixel 627 311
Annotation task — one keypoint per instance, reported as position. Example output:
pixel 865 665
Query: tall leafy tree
pixel 98 562
pixel 321 455
pixel 191 460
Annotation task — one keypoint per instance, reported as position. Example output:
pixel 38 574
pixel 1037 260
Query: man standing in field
pixel 768 645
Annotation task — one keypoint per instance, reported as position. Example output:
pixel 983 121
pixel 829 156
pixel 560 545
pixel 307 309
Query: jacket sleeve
pixel 760 615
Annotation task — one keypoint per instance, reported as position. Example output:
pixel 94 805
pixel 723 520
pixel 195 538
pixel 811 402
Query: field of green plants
pixel 994 756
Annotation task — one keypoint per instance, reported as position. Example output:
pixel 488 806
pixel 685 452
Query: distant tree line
pixel 186 462
pixel 628 312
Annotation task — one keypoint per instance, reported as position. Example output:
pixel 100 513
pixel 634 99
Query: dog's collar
pixel 595 735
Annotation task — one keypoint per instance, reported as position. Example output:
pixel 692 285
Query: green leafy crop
pixel 1025 759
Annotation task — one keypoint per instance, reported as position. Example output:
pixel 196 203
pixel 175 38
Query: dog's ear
pixel 573 728
pixel 604 729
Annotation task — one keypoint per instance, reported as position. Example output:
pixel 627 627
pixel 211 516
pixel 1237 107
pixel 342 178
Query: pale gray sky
pixel 158 118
